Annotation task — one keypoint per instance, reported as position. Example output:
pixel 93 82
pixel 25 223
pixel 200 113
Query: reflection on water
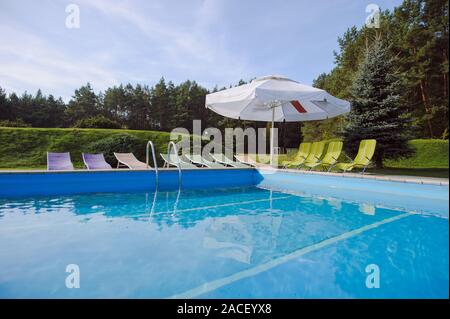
pixel 248 225
pixel 163 243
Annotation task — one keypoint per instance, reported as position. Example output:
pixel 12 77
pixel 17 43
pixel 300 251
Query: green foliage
pixel 377 111
pixel 15 123
pixel 428 153
pixel 119 143
pixel 36 111
pixel 84 104
pixel 98 121
pixel 27 147
pixel 322 130
pixel 417 32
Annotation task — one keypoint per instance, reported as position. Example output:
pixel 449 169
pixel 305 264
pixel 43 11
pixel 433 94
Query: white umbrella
pixel 276 99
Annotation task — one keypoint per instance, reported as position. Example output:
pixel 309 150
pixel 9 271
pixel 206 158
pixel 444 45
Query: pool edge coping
pixel 420 180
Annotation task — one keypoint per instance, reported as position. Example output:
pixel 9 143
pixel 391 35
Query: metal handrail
pixel 174 146
pixel 150 144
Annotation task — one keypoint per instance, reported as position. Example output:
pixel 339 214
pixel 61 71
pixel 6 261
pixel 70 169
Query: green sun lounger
pixel 302 153
pixel 330 158
pixel 315 154
pixel 362 159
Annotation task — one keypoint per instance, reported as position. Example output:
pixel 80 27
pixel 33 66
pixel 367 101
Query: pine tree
pixel 84 104
pixel 377 111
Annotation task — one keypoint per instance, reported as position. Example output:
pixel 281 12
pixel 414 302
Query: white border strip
pixel 221 205
pixel 215 284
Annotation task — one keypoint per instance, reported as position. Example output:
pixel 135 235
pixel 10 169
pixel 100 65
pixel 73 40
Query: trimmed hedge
pixel 119 143
pixel 429 153
pixel 98 121
pixel 27 147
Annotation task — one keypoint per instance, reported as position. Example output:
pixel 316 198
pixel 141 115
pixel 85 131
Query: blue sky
pixel 215 42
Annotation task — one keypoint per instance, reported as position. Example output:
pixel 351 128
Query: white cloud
pixel 159 45
pixel 190 50
pixel 28 61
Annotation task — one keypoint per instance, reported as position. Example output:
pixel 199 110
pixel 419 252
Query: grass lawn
pixel 430 160
pixel 424 172
pixel 26 148
pixel 24 168
pixel 429 153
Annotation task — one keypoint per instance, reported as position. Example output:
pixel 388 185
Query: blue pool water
pixel 244 242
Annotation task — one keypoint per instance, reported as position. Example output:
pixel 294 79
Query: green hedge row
pixel 27 147
pixel 429 153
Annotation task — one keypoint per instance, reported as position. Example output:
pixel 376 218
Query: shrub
pixel 15 123
pixel 119 143
pixel 98 121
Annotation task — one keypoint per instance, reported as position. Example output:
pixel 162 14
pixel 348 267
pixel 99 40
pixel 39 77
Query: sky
pixel 214 42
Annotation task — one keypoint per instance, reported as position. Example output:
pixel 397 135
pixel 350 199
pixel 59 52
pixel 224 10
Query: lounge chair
pixel 59 162
pixel 95 161
pixel 129 160
pixel 246 159
pixel 330 158
pixel 198 159
pixel 362 159
pixel 302 153
pixel 176 161
pixel 315 154
pixel 221 158
pixel 264 158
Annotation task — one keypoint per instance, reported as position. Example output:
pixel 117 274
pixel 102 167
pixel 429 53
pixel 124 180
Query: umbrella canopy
pixel 276 98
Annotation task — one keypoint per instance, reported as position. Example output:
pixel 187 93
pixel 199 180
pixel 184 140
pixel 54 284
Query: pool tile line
pixel 218 283
pixel 222 205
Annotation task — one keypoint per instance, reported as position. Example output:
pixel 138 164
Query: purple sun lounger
pixel 95 161
pixel 59 162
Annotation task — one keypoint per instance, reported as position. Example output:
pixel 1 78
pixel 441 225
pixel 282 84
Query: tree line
pixel 416 35
pixel 161 107
pixel 140 107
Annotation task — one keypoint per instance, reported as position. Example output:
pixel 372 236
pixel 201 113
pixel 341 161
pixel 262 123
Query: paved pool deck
pixel 382 177
pixel 267 169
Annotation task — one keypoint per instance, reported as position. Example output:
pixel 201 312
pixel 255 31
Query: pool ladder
pixel 147 158
pixel 178 160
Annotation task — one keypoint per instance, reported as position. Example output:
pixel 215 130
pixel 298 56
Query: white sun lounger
pixel 245 159
pixel 221 158
pixel 176 161
pixel 198 159
pixel 129 160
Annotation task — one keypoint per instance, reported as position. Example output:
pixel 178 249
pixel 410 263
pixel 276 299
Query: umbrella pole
pixel 271 136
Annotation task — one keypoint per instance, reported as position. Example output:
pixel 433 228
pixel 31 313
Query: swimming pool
pixel 232 234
